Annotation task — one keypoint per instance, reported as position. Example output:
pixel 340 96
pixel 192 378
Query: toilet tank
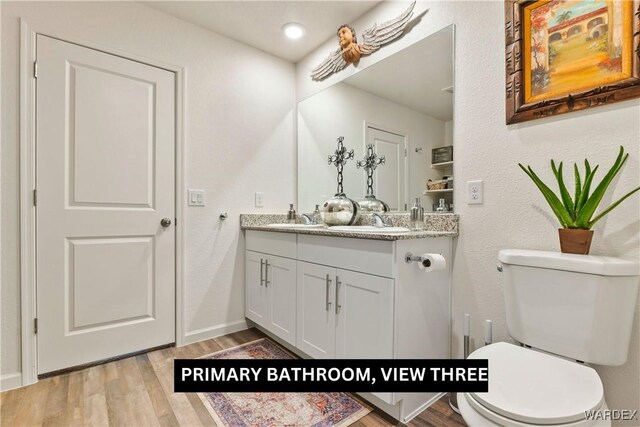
pixel 577 306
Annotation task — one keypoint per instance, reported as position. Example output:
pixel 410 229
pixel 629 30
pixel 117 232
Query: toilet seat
pixel 530 387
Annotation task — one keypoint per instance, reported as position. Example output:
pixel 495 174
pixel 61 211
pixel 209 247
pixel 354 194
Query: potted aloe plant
pixel 577 215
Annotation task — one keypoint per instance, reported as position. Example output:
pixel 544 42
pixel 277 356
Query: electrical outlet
pixel 259 199
pixel 195 197
pixel 475 193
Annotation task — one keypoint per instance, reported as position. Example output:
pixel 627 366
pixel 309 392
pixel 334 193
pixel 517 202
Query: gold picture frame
pixel 568 55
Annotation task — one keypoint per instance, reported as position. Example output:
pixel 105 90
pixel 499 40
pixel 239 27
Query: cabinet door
pixel 316 317
pixel 364 316
pixel 280 274
pixel 256 298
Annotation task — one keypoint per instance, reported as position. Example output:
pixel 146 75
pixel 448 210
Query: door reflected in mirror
pixel 403 106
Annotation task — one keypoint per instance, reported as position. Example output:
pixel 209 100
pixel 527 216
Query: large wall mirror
pixel 403 106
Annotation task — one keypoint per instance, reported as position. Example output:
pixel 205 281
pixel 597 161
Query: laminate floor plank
pixel 55 412
pixel 10 404
pixel 75 399
pixel 138 391
pixel 33 404
pixel 159 400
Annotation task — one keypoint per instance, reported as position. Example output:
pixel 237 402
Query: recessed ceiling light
pixel 293 30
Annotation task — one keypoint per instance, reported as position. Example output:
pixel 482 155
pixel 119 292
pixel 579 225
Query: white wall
pixel 513 215
pixel 239 128
pixel 341 110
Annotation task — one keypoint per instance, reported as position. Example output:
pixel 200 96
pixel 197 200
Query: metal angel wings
pixel 372 39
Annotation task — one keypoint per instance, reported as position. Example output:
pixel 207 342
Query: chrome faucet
pixel 308 220
pixel 379 221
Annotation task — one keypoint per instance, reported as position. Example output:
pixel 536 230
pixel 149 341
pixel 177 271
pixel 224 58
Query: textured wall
pixel 239 129
pixel 513 215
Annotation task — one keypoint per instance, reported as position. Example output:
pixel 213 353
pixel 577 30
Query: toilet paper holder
pixel 409 258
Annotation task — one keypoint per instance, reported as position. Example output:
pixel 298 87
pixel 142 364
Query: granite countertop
pixel 436 225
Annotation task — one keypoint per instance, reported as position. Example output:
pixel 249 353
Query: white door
pixel 256 298
pixel 281 281
pixel 390 179
pixel 316 317
pixel 105 180
pixel 364 319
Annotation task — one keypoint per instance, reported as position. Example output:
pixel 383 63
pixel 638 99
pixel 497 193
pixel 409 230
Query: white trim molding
pixel 27 208
pixel 9 381
pixel 28 54
pixel 215 331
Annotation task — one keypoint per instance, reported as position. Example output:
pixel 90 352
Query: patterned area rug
pixel 278 409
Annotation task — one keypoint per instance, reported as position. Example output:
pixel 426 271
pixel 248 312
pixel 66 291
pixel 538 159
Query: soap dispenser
pixel 291 215
pixel 317 216
pixel 417 216
pixel 441 207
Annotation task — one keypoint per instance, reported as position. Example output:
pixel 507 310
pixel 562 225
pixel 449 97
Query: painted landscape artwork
pixel 575 45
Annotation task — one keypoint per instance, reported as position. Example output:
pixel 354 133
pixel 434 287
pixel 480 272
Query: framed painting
pixel 568 55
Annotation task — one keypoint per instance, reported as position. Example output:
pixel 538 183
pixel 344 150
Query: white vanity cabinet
pixel 270 290
pixel 343 314
pixel 333 297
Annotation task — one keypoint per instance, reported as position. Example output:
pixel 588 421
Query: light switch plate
pixel 195 197
pixel 475 193
pixel 259 199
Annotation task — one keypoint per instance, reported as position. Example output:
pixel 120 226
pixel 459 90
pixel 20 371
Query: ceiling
pixel 259 23
pixel 415 76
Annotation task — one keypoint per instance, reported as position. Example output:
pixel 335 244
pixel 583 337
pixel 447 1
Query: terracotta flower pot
pixel 575 241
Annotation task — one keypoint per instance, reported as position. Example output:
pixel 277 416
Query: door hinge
pixel 35 69
pixel 405 152
pixel 35 197
pixel 35 325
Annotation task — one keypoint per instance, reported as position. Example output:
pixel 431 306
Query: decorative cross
pixel 339 158
pixel 369 164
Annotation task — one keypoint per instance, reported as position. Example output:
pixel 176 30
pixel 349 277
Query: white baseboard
pixel 9 381
pixel 422 407
pixel 214 331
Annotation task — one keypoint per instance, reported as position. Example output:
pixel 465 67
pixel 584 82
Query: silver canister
pixel 371 204
pixel 340 210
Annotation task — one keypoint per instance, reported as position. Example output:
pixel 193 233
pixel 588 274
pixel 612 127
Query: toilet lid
pixel 537 388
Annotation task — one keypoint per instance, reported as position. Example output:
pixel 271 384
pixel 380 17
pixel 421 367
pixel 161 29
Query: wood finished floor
pixel 138 391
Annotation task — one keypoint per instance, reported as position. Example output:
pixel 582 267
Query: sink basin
pixel 369 229
pixel 296 225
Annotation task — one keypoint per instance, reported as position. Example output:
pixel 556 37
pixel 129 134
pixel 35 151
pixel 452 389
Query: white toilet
pixel 567 311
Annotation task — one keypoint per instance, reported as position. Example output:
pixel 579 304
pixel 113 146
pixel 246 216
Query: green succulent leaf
pixel 612 207
pixel 564 193
pixel 556 205
pixel 578 190
pixel 584 195
pixel 579 211
pixel 584 216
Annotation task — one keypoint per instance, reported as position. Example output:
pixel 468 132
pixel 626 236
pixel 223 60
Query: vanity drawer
pixel 267 242
pixel 363 255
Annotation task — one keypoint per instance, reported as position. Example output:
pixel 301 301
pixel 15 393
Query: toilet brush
pixel 453 396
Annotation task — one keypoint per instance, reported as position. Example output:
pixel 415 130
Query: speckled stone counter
pixel 436 225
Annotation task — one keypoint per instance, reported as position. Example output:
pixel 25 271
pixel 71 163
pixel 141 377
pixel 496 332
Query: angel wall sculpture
pixel 372 38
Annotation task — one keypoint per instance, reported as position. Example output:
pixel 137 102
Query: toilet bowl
pixel 564 308
pixel 531 388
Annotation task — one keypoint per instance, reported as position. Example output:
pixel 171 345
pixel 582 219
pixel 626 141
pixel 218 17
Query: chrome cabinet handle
pixel 327 285
pixel 266 273
pixel 261 274
pixel 338 283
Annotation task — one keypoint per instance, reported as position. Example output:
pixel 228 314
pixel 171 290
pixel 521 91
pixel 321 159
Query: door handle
pixel 165 222
pixel 266 273
pixel 326 294
pixel 261 274
pixel 338 283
